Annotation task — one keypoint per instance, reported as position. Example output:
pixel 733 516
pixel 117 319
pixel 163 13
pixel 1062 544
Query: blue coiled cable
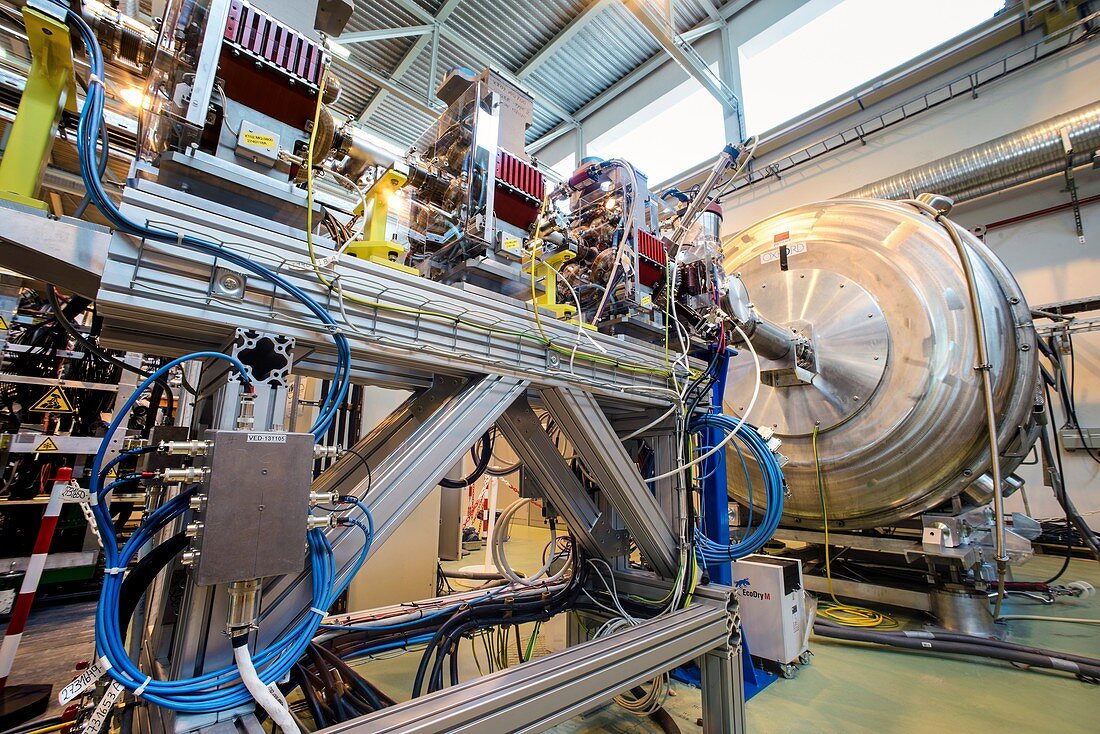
pixel 710 552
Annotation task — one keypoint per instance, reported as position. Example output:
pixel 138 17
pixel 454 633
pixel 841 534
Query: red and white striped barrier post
pixel 24 699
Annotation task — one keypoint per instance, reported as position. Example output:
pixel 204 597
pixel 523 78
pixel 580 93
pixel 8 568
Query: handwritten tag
pixel 95 722
pixel 84 681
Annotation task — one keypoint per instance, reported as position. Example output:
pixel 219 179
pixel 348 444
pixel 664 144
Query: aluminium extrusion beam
pixel 527 437
pixel 603 453
pixel 722 685
pixel 349 474
pixel 721 669
pixel 162 291
pixel 401 481
pixel 544 692
pixel 66 252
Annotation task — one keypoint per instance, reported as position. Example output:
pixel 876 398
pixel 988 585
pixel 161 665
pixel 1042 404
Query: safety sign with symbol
pixel 55 401
pixel 47 445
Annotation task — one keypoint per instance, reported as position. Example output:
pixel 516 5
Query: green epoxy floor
pixel 849 688
pixel 854 688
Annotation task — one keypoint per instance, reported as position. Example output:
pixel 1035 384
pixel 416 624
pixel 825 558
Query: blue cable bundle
pixel 220 689
pixel 707 550
pixel 91 116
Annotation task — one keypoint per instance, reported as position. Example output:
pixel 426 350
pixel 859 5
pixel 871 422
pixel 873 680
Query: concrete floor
pixel 849 688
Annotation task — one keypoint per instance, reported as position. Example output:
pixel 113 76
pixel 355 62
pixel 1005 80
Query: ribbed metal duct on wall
pixel 1013 159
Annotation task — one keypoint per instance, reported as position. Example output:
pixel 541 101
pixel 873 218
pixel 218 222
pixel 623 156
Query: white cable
pixel 729 436
pixel 500 557
pixel 350 185
pixel 647 426
pixel 263 696
pixel 1040 618
pixel 655 697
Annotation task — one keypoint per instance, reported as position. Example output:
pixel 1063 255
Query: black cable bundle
pixel 490 613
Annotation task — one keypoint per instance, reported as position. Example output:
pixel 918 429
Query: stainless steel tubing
pixel 984 367
pixel 769 341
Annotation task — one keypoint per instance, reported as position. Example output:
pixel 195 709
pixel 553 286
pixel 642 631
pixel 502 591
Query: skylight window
pixel 676 131
pixel 829 47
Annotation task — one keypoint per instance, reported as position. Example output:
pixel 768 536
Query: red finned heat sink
pixel 519 190
pixel 651 257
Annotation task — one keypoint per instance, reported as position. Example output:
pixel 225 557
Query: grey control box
pixel 251 520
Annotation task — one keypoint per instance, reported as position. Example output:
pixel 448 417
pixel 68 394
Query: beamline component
pixel 547 691
pixel 168 293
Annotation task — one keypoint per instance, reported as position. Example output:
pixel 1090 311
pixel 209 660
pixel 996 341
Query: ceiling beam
pixel 647 67
pixel 383 34
pixel 682 53
pixel 711 9
pixel 388 85
pixel 414 51
pixel 733 7
pixel 563 37
pixel 482 56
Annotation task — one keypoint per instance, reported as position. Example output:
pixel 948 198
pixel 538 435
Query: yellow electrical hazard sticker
pixel 54 401
pixel 47 445
pixel 259 140
pixel 3 322
pixel 112 473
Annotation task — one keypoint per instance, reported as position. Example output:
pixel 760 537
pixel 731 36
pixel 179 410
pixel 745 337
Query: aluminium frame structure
pixel 470 364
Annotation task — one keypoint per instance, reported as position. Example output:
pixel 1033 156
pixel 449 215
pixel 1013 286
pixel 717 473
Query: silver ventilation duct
pixel 1026 155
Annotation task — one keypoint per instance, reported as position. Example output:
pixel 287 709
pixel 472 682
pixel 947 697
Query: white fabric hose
pixel 274 708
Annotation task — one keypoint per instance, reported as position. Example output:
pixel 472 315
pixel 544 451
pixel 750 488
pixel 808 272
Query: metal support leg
pixel 589 431
pixel 722 679
pixel 592 528
pixel 716 503
pixel 723 692
pixel 50 88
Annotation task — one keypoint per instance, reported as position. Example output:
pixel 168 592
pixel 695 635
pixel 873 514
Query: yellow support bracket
pixel 50 88
pixel 377 248
pixel 547 271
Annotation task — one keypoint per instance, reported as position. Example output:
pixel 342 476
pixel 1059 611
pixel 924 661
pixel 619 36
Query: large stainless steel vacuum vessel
pixel 876 302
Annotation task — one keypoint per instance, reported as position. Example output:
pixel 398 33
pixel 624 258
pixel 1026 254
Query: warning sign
pixel 47 445
pixel 54 401
pixel 3 322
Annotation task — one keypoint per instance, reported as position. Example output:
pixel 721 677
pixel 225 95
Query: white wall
pixel 1043 253
pixel 1050 265
pixel 1057 85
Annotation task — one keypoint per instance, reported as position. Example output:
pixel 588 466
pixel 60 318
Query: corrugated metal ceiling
pixel 509 33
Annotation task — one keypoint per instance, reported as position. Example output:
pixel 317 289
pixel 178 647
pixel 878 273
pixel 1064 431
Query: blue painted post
pixel 716 504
